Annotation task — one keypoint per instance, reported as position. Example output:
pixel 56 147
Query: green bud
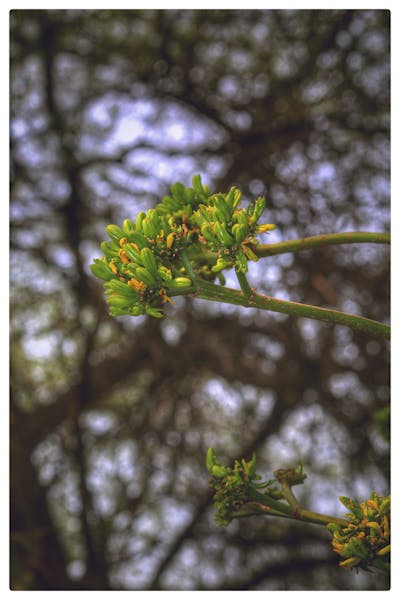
pixel 202 190
pixel 115 311
pixel 117 300
pixel 133 254
pixel 332 527
pixel 203 215
pixel 239 231
pixel 356 548
pixel 165 273
pixel 354 507
pixel 178 192
pixel 208 233
pixel 223 236
pixel 144 275
pixel 168 205
pixel 101 270
pixel 233 198
pixel 154 312
pixel 259 206
pixel 179 282
pixel 128 225
pixel 242 217
pixel 218 471
pixel 210 459
pixel 153 218
pixel 148 229
pixel 250 467
pixel 110 249
pixel 139 220
pixel 139 239
pixel 114 285
pixel 196 182
pixel 241 262
pixel 219 265
pixel 249 253
pixel 222 207
pixel 385 506
pixel 115 232
pixel 149 261
pixel 137 310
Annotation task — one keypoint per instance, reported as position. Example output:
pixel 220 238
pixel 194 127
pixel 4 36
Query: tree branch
pixel 319 241
pixel 210 291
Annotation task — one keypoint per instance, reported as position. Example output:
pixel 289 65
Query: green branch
pixel 319 241
pixel 362 539
pixel 262 504
pixel 145 262
pixel 210 291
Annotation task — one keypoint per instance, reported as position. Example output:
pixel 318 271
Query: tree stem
pixel 318 241
pixel 263 504
pixel 244 284
pixel 210 291
pixel 248 298
pixel 288 494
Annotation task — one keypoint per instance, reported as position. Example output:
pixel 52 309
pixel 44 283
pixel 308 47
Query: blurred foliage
pixel 111 417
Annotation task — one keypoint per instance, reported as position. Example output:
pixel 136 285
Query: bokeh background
pixel 111 417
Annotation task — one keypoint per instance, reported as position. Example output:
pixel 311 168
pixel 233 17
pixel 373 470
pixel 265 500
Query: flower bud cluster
pixel 232 486
pixel 292 475
pixel 365 541
pixel 142 264
pixel 229 231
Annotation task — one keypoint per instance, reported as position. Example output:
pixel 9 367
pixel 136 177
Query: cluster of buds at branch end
pixel 142 264
pixel 365 541
pixel 235 486
pixel 292 476
pixel 230 232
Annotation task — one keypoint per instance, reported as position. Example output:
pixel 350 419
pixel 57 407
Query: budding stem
pixel 248 298
pixel 288 494
pixel 210 291
pixel 318 241
pixel 263 504
pixel 244 284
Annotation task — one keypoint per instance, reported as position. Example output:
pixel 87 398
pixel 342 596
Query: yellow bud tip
pixel 383 551
pixel 123 241
pixel 138 286
pixel 373 525
pixel 337 547
pixel 170 239
pixel 123 257
pixel 113 268
pixel 373 504
pixel 266 227
pixel 350 562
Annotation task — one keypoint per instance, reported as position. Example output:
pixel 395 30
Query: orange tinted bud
pixel 123 257
pixel 170 239
pixel 138 286
pixel 350 562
